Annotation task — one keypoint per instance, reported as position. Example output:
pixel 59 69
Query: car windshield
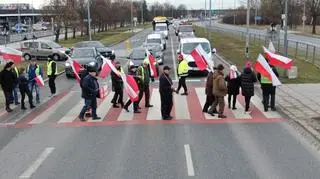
pixel 188 47
pixel 158 41
pixel 161 28
pixel 154 47
pixel 90 44
pixel 138 53
pixel 82 53
pixel 185 29
pixel 53 44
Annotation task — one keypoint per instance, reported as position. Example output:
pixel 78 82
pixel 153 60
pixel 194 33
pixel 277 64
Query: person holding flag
pixel 117 86
pixel 144 72
pixel 133 72
pixel 233 83
pixel 52 74
pixel 24 89
pixel 34 70
pixel 183 74
pixel 7 80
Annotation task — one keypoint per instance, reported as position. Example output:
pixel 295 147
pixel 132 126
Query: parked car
pixel 84 56
pixel 156 50
pixel 137 55
pixel 41 49
pixel 156 38
pixel 103 50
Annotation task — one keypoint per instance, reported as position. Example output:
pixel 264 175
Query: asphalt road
pixel 150 150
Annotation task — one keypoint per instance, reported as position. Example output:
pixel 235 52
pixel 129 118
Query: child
pixel 24 89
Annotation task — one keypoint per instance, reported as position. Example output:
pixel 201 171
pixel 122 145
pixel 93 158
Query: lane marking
pixel 36 164
pixel 181 107
pixel 154 113
pixel 174 62
pixel 189 160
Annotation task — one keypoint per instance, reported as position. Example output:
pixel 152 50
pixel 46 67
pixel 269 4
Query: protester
pixel 248 78
pixel 219 90
pixel 7 80
pixel 133 72
pixel 233 83
pixel 24 89
pixel 15 98
pixel 183 74
pixel 144 72
pixel 52 74
pixel 208 91
pixel 90 92
pixel 268 90
pixel 166 88
pixel 33 71
pixel 117 87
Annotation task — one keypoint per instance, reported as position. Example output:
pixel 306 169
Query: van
pixel 156 38
pixel 163 28
pixel 41 49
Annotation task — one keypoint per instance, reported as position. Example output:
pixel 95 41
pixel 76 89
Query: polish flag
pixel 39 80
pixel 105 69
pixel 131 87
pixel 10 54
pixel 278 60
pixel 152 64
pixel 198 57
pixel 264 69
pixel 76 67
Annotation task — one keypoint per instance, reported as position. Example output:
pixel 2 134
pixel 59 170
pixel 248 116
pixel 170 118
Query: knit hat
pixel 248 64
pixel 180 56
pixel 220 67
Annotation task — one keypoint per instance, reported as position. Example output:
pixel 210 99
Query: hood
pixel 84 61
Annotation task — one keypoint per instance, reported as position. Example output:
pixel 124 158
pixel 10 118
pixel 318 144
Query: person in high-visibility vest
pixel 117 86
pixel 15 98
pixel 183 74
pixel 34 70
pixel 52 74
pixel 144 72
pixel 268 90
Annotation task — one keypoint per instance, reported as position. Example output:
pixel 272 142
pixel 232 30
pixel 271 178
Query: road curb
pixel 314 133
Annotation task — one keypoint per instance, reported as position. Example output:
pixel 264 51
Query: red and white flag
pixel 76 67
pixel 105 69
pixel 198 55
pixel 10 54
pixel 39 80
pixel 152 64
pixel 264 69
pixel 130 87
pixel 278 60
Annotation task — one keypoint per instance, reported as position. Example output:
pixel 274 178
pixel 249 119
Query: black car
pixel 103 50
pixel 87 56
pixel 137 56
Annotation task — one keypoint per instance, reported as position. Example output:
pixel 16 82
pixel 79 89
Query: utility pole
pixel 131 15
pixel 247 30
pixel 205 9
pixel 286 29
pixel 304 18
pixel 210 19
pixel 234 13
pixel 89 20
pixel 142 11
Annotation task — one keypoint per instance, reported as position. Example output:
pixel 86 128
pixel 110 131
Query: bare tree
pixel 314 6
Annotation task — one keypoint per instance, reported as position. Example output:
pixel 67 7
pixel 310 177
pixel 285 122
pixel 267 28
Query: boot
pixel 23 107
pixel 32 106
pixel 229 105
pixel 115 105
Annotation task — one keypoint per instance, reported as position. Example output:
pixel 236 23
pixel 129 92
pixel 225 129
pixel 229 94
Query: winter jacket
pixel 117 83
pixel 248 78
pixel 90 87
pixel 23 82
pixel 233 85
pixel 165 84
pixel 136 78
pixel 7 80
pixel 268 88
pixel 31 70
pixel 209 84
pixel 219 84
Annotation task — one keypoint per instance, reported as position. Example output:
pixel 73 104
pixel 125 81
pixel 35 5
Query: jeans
pixel 15 97
pixel 23 95
pixel 118 97
pixel 166 104
pixel 89 104
pixel 33 84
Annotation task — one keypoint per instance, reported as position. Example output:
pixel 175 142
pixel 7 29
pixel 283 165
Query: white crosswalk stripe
pixel 239 113
pixel 103 108
pixel 126 116
pixel 202 98
pixel 73 113
pixel 181 107
pixel 154 113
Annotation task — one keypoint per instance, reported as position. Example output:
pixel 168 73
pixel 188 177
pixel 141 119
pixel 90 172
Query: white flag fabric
pixel 264 69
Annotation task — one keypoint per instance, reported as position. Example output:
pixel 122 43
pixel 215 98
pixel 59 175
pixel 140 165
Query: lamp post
pixel 286 29
pixel 247 30
pixel 210 19
pixel 89 20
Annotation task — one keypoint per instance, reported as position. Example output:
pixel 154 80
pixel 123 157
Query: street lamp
pixel 286 29
pixel 247 30
pixel 89 20
pixel 210 19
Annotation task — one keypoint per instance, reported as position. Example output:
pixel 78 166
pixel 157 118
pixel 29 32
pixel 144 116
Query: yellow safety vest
pixel 49 68
pixel 37 70
pixel 183 68
pixel 265 80
pixel 142 71
pixel 16 70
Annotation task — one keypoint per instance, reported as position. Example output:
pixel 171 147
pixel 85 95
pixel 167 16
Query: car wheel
pixel 68 76
pixel 27 56
pixel 56 57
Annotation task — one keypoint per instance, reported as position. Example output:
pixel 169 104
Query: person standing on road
pixel 166 89
pixel 144 72
pixel 183 74
pixel 52 74
pixel 248 78
pixel 24 89
pixel 33 71
pixel 117 86
pixel 268 90
pixel 233 83
pixel 15 98
pixel 90 92
pixel 208 91
pixel 7 80
pixel 219 90
pixel 133 72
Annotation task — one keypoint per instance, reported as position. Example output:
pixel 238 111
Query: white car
pixel 187 45
pixel 162 28
pixel 156 38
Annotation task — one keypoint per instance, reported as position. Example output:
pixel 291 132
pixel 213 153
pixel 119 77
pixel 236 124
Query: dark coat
pixel 7 80
pixel 117 82
pixel 209 84
pixel 23 82
pixel 268 88
pixel 90 87
pixel 233 84
pixel 248 78
pixel 165 84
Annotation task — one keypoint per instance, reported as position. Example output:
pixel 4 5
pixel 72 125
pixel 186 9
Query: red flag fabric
pixel 132 88
pixel 76 67
pixel 10 54
pixel 105 69
pixel 39 80
pixel 264 69
pixel 199 58
pixel 152 64
pixel 278 60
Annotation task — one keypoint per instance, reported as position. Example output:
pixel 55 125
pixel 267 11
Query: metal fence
pixel 296 49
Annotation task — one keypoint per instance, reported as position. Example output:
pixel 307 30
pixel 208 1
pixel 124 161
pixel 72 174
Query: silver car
pixel 41 49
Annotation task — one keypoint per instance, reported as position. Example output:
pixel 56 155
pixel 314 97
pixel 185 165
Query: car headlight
pixel 67 64
pixel 92 63
pixel 180 33
pixel 159 60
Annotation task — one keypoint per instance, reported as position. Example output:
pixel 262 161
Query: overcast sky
pixel 191 4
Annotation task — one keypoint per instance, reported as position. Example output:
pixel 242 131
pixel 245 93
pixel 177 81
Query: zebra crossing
pixel 186 109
